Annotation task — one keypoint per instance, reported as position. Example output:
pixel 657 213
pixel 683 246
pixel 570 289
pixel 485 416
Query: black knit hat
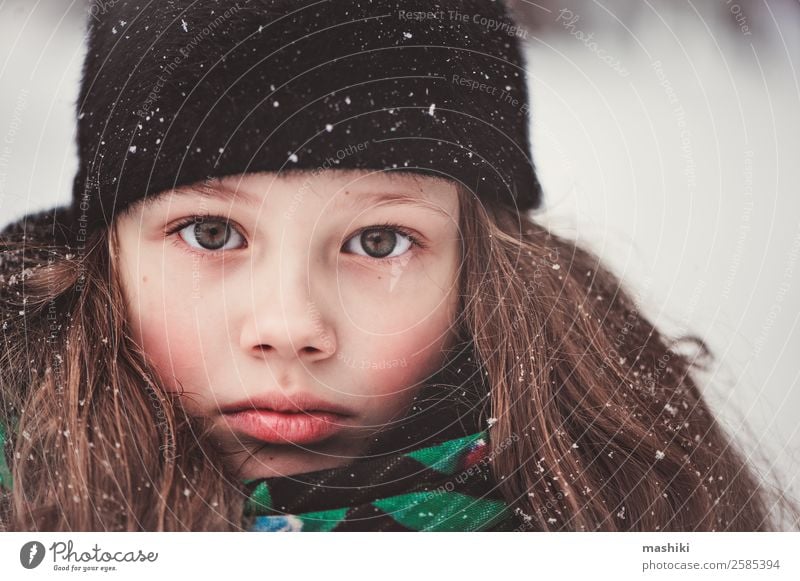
pixel 178 91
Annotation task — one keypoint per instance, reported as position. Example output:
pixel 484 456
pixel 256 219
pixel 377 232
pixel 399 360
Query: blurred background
pixel 667 136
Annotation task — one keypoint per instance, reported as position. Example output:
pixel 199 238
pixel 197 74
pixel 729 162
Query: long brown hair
pixel 99 444
pixel 603 427
pixel 606 427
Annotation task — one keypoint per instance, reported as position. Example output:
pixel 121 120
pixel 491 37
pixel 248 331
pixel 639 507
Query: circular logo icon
pixel 31 554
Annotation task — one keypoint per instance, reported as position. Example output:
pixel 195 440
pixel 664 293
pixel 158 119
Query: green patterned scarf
pixel 443 487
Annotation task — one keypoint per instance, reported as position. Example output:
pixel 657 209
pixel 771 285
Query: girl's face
pixel 333 291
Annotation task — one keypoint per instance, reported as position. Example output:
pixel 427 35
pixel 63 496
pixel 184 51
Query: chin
pixel 278 461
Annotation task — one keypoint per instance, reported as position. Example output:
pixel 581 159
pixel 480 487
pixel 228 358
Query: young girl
pixel 298 289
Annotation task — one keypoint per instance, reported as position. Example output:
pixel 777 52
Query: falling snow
pixel 132 149
pixel 431 109
pixel 328 127
pixel 660 455
pixel 184 25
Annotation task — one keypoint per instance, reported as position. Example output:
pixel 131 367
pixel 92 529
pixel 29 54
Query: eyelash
pixel 387 225
pixel 416 243
pixel 181 245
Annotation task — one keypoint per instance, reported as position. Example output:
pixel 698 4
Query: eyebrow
pixel 204 190
pixel 356 200
pixel 218 190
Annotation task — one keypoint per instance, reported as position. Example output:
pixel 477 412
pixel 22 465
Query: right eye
pixel 206 233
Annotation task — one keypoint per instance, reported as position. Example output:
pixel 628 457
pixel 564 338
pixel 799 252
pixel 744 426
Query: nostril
pixel 308 350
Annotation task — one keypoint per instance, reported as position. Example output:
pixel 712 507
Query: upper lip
pixel 288 403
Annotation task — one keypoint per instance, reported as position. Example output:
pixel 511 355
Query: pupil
pixel 212 235
pixel 379 243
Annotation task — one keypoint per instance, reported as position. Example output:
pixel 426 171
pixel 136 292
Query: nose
pixel 284 322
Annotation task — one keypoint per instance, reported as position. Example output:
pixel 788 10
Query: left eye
pixel 211 234
pixel 380 242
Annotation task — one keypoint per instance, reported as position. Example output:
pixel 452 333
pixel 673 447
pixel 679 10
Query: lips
pixel 279 419
pixel 286 428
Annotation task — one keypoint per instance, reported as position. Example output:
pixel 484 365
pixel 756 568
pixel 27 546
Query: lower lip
pixel 286 428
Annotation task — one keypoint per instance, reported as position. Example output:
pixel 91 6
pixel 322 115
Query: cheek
pixel 165 327
pixel 394 364
pixel 415 300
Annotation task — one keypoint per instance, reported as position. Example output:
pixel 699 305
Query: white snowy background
pixel 683 176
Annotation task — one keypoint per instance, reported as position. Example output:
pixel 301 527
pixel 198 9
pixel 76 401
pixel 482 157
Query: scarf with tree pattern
pixel 443 487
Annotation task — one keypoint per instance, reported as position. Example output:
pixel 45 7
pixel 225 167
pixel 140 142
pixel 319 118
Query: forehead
pixel 340 189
